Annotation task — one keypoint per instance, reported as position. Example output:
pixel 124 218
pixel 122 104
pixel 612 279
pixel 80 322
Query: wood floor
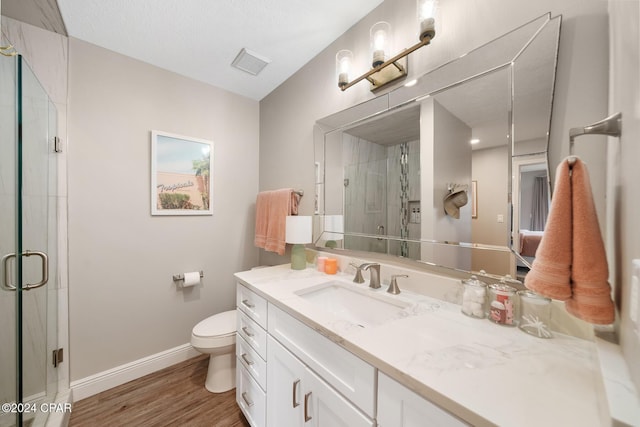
pixel 174 396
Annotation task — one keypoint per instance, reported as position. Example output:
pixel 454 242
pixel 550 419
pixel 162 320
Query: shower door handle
pixel 5 277
pixel 45 271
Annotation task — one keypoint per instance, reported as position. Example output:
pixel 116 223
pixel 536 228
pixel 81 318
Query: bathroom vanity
pixel 319 350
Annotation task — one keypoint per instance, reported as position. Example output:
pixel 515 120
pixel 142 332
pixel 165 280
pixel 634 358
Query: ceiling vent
pixel 250 62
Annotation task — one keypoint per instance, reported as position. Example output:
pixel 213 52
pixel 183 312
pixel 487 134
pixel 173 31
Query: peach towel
pixel 573 227
pixel 550 274
pixel 591 292
pixel 272 209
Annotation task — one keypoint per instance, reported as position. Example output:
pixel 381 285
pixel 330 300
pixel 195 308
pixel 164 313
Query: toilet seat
pixel 215 331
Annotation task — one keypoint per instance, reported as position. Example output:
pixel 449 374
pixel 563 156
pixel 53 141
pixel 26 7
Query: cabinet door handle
pixel 296 383
pixel 248 401
pixel 246 359
pixel 247 303
pixel 246 331
pixel 307 417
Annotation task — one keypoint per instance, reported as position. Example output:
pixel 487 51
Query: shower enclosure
pixel 382 195
pixel 28 247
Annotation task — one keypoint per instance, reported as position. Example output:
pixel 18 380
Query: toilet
pixel 216 336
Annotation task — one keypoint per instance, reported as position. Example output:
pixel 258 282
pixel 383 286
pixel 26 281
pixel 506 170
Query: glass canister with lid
pixel 535 314
pixel 502 304
pixel 474 298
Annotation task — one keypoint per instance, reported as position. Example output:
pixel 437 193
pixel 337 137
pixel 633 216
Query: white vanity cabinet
pixel 400 407
pixel 251 354
pixel 297 397
pixel 290 375
pixel 352 377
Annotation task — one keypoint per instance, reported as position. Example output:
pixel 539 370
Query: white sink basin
pixel 363 307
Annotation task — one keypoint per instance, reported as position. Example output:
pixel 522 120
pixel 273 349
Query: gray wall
pixel 288 114
pixel 123 303
pixel 625 173
pixel 490 171
pixel 581 97
pixel 444 143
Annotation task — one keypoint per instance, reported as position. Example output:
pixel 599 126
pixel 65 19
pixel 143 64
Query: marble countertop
pixel 486 374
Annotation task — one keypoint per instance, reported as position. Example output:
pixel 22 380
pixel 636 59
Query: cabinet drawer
pixel 251 361
pixel 253 334
pixel 351 376
pixel 250 398
pixel 252 305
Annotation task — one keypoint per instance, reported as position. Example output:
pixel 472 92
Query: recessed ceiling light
pixel 474 141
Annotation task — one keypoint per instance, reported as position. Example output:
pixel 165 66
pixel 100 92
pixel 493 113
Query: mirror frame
pixel 458 71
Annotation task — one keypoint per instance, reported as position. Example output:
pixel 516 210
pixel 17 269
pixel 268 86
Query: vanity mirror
pixel 425 172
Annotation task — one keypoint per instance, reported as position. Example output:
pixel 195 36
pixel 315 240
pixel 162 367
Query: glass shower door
pixel 8 235
pixel 29 244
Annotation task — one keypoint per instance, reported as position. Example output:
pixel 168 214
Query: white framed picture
pixel 181 175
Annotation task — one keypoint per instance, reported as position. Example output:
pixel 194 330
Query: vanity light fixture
pixel 344 61
pixel 8 50
pixel 386 70
pixel 380 41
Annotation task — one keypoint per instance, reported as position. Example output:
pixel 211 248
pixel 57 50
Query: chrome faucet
pixel 374 268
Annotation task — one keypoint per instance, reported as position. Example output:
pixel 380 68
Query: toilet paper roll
pixel 191 278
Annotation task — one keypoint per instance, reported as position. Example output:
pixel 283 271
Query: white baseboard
pixel 105 380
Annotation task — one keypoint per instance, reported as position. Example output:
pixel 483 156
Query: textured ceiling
pixel 201 38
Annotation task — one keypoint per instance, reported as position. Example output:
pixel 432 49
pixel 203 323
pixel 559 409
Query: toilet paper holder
pixel 180 277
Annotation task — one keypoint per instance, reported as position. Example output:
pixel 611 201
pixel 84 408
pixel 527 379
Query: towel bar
pixel 611 126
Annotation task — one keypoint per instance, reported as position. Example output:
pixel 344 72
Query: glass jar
pixel 535 314
pixel 474 298
pixel 502 304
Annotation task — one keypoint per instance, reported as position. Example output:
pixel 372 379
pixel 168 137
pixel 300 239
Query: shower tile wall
pixel 365 192
pixel 394 192
pixel 373 194
pixel 47 55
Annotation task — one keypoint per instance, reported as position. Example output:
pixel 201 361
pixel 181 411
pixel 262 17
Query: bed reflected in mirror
pixel 531 187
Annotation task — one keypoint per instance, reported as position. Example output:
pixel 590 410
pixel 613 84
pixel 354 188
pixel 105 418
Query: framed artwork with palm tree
pixel 181 175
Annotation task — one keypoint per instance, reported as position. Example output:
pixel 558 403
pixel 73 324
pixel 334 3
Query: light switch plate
pixel 500 218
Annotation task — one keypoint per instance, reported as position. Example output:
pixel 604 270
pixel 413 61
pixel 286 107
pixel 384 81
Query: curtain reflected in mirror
pixel 540 203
